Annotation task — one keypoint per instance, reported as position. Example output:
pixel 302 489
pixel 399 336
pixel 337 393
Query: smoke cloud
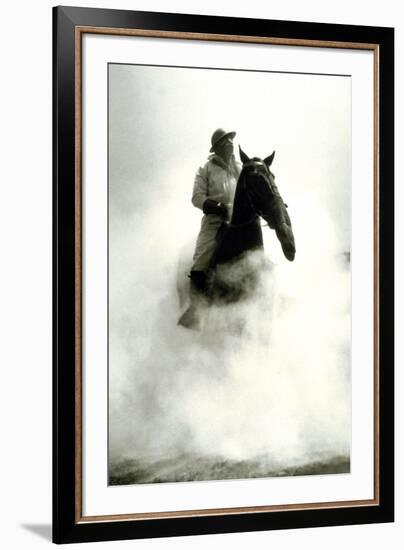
pixel 268 379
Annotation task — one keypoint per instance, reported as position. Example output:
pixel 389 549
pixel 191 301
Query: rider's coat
pixel 217 181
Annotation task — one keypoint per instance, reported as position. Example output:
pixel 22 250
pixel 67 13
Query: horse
pixel 231 275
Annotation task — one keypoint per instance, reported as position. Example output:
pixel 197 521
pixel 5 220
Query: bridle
pixel 258 213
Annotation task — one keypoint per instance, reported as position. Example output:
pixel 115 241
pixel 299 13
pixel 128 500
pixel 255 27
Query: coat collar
pixel 233 167
pixel 218 161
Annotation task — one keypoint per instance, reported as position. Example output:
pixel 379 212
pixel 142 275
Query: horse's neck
pixel 242 209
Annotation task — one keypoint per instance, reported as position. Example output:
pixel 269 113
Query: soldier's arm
pixel 200 190
pixel 200 197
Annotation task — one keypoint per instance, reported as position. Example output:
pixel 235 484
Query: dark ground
pixel 189 468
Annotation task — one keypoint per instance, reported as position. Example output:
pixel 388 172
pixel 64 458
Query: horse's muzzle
pixel 285 235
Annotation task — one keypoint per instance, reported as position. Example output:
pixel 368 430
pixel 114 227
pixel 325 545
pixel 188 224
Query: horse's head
pixel 259 183
pixel 265 199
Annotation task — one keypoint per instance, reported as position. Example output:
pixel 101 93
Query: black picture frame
pixel 68 525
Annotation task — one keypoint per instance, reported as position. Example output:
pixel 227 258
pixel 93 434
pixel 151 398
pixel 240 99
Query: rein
pixel 258 213
pixel 235 225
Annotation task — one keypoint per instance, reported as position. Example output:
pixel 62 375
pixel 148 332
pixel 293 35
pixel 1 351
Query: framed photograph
pixel 223 274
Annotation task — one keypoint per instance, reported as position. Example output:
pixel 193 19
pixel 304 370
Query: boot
pixel 198 288
pixel 198 283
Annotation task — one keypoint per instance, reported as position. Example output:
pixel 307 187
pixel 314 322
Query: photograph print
pixel 229 279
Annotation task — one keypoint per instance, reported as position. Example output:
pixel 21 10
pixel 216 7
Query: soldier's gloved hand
pixel 213 207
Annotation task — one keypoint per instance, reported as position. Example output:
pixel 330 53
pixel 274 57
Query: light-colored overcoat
pixel 214 180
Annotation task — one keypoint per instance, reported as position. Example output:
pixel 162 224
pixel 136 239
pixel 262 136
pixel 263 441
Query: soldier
pixel 213 192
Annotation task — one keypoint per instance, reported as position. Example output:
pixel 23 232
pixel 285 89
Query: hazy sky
pixel 160 124
pixel 162 118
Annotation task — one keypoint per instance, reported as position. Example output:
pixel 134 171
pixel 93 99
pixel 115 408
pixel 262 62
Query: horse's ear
pixel 243 156
pixel 268 160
